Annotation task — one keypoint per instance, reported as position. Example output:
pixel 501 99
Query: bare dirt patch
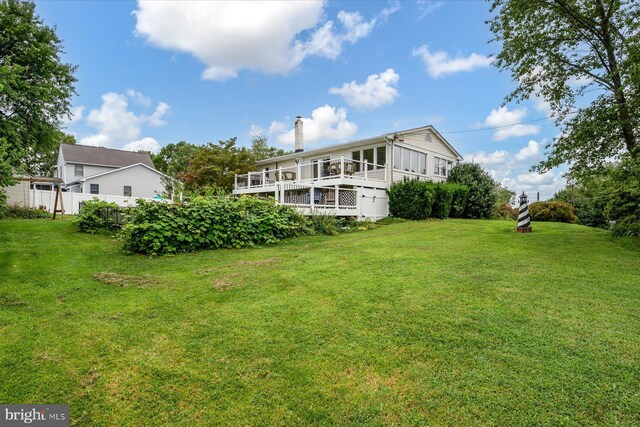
pixel 224 283
pixel 123 280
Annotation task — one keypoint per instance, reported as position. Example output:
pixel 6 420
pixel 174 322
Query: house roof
pixel 100 156
pixel 356 143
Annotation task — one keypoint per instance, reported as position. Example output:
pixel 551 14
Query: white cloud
pixel 77 113
pixel 146 144
pixel 325 123
pixel 440 63
pixel 118 126
pixel 534 179
pixel 376 91
pixel 489 159
pixel 508 123
pixel 277 127
pixel 425 7
pixel 265 36
pixel 512 170
pixel 255 130
pixel 531 151
pixel 138 97
pixel 161 110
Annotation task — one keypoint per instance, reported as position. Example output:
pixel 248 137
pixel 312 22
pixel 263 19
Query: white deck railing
pixel 312 172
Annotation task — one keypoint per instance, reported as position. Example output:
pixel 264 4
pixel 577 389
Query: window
pixel 441 167
pixel 78 170
pixel 397 157
pixel 127 190
pixel 422 163
pixel 355 155
pixel 375 157
pixel 409 160
pixel 367 155
pixel 94 188
pixel 381 156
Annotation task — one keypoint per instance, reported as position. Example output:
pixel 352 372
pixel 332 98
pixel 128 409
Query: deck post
pixel 366 169
pixel 312 195
pixel 279 174
pixel 235 182
pixel 264 177
pixel 341 166
pixel 337 198
pixel 298 171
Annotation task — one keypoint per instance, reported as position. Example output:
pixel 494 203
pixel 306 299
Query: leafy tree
pixel 41 162
pixel 589 201
pixel 557 49
pixel 35 86
pixel 174 158
pixel 483 194
pixel 261 150
pixel 214 166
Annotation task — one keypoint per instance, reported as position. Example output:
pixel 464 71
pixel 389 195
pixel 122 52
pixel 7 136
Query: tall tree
pixel 35 85
pixel 41 161
pixel 261 149
pixel 174 158
pixel 572 53
pixel 214 166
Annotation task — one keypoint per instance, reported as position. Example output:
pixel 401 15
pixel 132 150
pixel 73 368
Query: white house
pixel 350 179
pixel 99 170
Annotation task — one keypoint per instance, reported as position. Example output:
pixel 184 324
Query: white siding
pixel 18 194
pixel 70 176
pixel 143 182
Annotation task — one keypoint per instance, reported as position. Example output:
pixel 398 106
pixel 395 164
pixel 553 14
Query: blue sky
pixel 153 73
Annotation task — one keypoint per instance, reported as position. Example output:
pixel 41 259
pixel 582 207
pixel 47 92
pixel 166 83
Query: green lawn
pixel 420 323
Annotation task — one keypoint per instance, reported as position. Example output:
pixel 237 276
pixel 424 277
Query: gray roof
pixel 84 154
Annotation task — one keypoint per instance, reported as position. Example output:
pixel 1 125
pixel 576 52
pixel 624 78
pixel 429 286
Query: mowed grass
pixel 421 323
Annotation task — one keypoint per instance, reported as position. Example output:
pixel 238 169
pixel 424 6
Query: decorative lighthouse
pixel 524 222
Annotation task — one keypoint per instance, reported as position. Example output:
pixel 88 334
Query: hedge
pixel 208 223
pixel 552 212
pixel 418 200
pixel 94 216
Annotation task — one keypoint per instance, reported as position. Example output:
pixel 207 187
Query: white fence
pixel 72 201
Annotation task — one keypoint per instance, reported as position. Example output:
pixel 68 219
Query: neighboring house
pixel 99 170
pixel 350 179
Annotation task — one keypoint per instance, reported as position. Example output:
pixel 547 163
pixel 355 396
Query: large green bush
pixel 482 196
pixel 552 212
pixel 96 215
pixel 459 200
pixel 414 199
pixel 208 223
pixel 411 199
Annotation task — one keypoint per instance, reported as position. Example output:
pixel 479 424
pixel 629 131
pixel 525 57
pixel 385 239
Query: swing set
pixel 58 206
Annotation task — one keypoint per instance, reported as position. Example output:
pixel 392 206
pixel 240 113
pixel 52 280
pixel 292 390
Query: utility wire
pixel 503 126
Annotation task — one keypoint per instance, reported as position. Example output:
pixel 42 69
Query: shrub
pixel 208 223
pixel 3 202
pixel 552 211
pixel 443 196
pixel 482 196
pixel 25 212
pixel 324 224
pixel 411 199
pixel 506 212
pixel 95 215
pixel 626 228
pixel 459 200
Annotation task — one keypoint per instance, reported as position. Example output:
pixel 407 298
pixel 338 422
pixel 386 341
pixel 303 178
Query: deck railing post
pixel 264 177
pixel 366 169
pixel 279 174
pixel 337 198
pixel 235 182
pixel 298 171
pixel 341 166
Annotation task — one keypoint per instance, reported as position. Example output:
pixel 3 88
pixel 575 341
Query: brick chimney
pixel 298 135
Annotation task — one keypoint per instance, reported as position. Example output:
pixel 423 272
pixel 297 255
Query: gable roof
pixel 385 137
pixel 124 168
pixel 100 156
